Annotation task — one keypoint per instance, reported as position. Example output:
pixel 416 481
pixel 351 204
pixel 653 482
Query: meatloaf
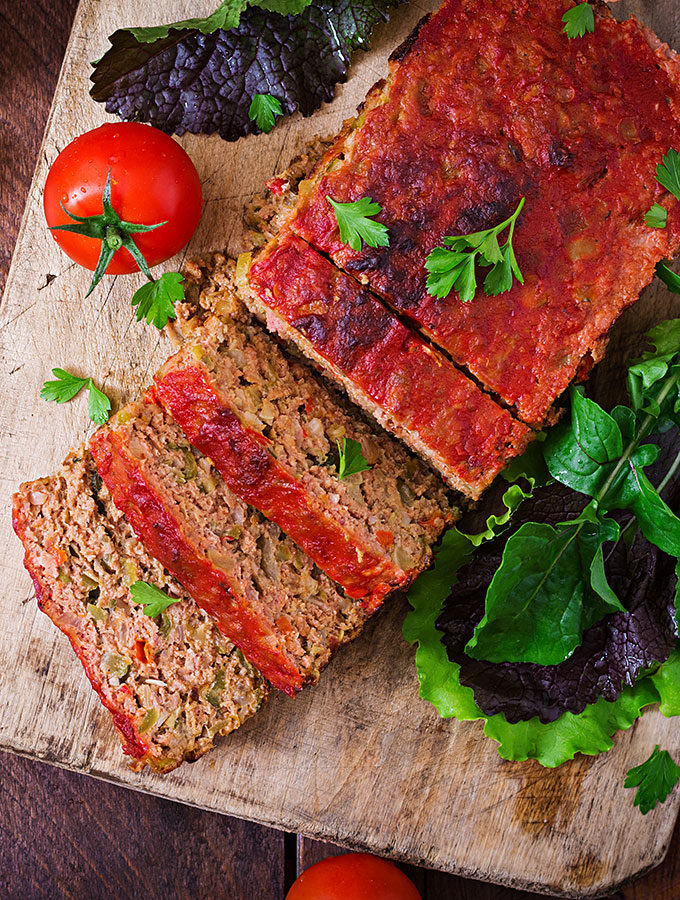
pixel 272 601
pixel 273 430
pixel 171 683
pixel 488 102
pixel 409 387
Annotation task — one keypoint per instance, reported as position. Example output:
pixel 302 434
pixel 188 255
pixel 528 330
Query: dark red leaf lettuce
pixel 613 652
pixel 204 83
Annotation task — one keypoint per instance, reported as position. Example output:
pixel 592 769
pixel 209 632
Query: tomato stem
pixel 114 239
pixel 113 232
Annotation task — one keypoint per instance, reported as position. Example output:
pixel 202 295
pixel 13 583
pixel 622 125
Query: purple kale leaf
pixel 613 652
pixel 205 83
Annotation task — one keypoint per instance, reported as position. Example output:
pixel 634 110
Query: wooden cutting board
pixel 360 759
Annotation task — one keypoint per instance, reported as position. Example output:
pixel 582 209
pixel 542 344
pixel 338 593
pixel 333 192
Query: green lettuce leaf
pixel 666 680
pixel 226 16
pixel 550 744
pixel 438 677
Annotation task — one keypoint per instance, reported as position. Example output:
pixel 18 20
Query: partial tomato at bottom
pixel 353 876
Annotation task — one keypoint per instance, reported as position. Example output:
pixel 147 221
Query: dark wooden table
pixel 65 835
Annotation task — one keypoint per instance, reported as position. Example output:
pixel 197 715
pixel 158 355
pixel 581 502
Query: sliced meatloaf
pixel 266 596
pixel 171 683
pixel 273 430
pixel 464 128
pixel 408 386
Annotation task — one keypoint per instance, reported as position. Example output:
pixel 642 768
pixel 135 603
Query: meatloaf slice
pixel 272 429
pixel 284 613
pixel 464 128
pixel 171 683
pixel 409 387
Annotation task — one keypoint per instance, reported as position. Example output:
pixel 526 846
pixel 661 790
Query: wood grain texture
pixel 359 759
pixel 99 841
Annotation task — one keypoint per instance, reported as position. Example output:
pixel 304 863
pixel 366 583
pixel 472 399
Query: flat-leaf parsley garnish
pixel 356 225
pixel 668 176
pixel 668 172
pixel 155 300
pixel 263 111
pixel 154 600
pixel 669 278
pixel 452 268
pixel 66 386
pixel 351 459
pixel 656 217
pixel 578 20
pixel 654 779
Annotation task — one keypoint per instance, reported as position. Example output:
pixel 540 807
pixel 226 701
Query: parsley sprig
pixel 263 111
pixel 551 584
pixel 155 300
pixel 668 176
pixel 65 388
pixel 453 269
pixel 153 599
pixel 356 225
pixel 669 278
pixel 654 779
pixel 578 20
pixel 668 172
pixel 656 217
pixel 351 459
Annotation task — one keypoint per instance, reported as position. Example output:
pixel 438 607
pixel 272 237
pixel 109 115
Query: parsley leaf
pixel 151 598
pixel 66 386
pixel 656 217
pixel 454 269
pixel 355 225
pixel 668 172
pixel 155 300
pixel 98 404
pixel 578 20
pixel 654 779
pixel 669 278
pixel 351 459
pixel 263 110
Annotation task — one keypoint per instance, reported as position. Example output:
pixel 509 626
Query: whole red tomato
pixel 354 876
pixel 152 180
